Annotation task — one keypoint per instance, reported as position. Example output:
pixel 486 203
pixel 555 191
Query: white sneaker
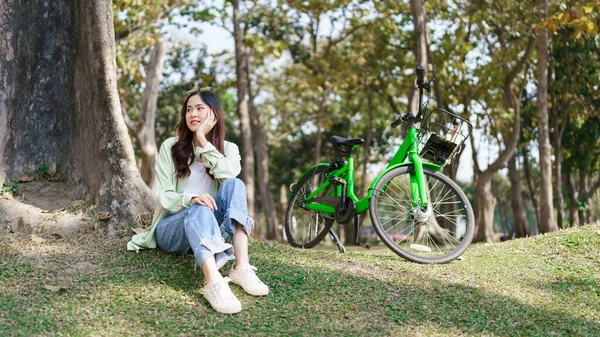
pixel 245 277
pixel 220 297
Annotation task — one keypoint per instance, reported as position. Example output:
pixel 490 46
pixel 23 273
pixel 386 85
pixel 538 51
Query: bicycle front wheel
pixel 438 234
pixel 305 228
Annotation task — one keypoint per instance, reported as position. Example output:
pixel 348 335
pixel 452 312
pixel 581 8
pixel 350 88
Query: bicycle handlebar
pixel 397 122
pixel 421 84
pixel 420 76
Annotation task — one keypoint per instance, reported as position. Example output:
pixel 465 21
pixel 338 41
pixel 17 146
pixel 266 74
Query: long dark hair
pixel 183 150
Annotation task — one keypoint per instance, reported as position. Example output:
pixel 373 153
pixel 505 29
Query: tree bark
pixel 531 187
pixel 55 112
pixel 583 186
pixel 319 132
pixel 144 129
pixel 367 145
pixel 420 48
pixel 248 171
pixel 587 188
pixel 485 203
pixel 572 194
pixel 557 132
pixel 262 158
pixel 548 222
pixel 521 228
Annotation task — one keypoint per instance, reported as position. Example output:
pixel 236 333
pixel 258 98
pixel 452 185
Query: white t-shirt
pixel 199 182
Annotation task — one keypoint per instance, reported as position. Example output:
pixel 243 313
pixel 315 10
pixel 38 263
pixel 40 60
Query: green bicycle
pixel 416 211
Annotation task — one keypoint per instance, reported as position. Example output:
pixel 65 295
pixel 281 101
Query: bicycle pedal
pixel 364 245
pixel 337 180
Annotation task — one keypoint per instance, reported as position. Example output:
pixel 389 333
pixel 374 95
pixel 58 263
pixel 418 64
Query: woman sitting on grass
pixel 191 214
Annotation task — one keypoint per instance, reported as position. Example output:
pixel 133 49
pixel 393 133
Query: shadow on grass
pixel 153 293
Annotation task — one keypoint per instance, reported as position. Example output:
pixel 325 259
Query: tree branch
pixel 131 125
pixel 521 62
pixel 351 31
pixel 594 187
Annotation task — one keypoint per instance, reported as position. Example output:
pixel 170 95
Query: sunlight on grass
pixel 540 286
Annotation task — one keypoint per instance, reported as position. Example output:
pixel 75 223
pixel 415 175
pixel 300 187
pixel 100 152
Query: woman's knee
pixel 233 183
pixel 200 212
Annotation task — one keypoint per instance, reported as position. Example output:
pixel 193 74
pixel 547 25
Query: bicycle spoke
pixel 436 237
pixel 304 227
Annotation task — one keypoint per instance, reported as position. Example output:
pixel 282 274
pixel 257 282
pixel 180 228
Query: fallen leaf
pixel 37 239
pixel 56 236
pixel 53 289
pixel 18 225
pixel 64 285
pixel 25 178
pixel 77 203
pixel 104 216
pixel 52 169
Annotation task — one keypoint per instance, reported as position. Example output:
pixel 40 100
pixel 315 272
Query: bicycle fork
pixel 420 198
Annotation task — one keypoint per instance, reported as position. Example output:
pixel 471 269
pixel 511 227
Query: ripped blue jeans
pixel 203 231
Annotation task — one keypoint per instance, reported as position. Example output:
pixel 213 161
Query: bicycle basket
pixel 442 135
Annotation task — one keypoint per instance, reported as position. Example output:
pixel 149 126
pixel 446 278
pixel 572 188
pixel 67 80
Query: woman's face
pixel 196 112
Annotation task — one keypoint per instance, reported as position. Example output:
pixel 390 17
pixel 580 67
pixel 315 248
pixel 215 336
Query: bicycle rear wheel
pixel 439 234
pixel 305 228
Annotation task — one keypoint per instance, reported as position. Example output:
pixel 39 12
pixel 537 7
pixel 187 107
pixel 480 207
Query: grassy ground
pixel 543 286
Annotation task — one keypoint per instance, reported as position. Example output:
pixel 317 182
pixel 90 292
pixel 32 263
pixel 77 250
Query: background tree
pixel 510 43
pixel 140 56
pixel 574 24
pixel 143 130
pixel 241 69
pixel 547 222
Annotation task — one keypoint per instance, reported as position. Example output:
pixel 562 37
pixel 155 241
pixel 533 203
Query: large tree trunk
pixel 557 132
pixel 420 48
pixel 451 170
pixel 587 188
pixel 484 207
pixel 572 194
pixel 531 187
pixel 144 129
pixel 521 228
pixel 547 223
pixel 583 186
pixel 367 145
pixel 319 133
pixel 558 193
pixel 262 158
pixel 52 110
pixel 242 105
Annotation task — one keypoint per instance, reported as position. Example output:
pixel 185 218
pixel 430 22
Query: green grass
pixel 542 286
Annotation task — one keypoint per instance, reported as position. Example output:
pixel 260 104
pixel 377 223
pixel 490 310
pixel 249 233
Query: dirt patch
pixel 46 207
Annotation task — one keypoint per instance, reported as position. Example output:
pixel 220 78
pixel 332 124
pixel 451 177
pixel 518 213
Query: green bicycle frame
pixel 407 154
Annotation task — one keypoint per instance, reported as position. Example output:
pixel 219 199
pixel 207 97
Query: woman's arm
pixel 166 182
pixel 221 166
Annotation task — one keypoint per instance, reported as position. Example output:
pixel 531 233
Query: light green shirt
pixel 169 188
